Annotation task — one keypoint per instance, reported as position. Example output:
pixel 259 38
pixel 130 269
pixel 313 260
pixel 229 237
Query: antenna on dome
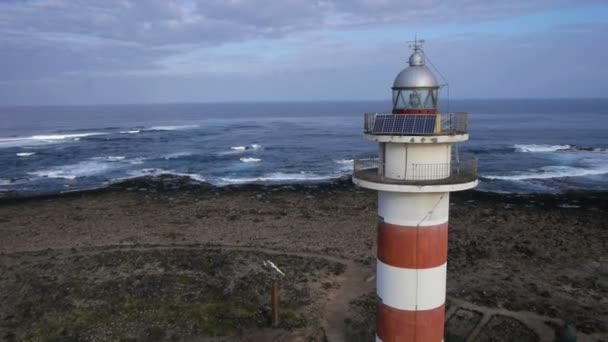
pixel 416 44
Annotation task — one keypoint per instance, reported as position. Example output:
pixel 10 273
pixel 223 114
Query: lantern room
pixel 415 90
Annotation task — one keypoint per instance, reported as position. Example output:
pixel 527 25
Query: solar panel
pixel 378 124
pixel 404 124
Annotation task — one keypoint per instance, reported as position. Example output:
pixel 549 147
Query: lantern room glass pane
pixel 415 98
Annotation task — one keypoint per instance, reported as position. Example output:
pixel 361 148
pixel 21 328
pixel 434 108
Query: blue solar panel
pixel 404 124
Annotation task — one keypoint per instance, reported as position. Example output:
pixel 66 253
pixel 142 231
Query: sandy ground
pixel 546 255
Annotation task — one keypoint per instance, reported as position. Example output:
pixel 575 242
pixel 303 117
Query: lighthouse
pixel 417 167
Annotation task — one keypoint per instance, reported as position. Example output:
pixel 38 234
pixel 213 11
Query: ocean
pixel 523 146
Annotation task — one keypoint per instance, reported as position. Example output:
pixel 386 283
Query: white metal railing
pixel 462 171
pixel 455 123
pixel 451 123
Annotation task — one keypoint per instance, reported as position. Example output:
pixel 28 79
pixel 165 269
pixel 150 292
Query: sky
pixel 163 51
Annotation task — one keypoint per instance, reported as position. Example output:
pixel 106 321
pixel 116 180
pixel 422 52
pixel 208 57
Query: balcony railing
pixel 451 123
pixel 456 172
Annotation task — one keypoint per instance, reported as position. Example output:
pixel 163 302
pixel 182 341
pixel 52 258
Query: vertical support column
pixel 275 303
pixel 411 266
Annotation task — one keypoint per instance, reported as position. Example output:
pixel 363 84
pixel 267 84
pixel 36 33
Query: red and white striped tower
pixel 414 175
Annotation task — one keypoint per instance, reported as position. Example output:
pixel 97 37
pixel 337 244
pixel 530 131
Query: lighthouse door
pixel 395 160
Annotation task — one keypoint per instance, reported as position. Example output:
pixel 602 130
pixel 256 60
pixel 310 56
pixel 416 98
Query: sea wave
pixel 177 155
pixel 44 139
pixel 110 158
pixel 549 172
pixel 64 136
pixel 155 172
pixel 244 148
pixel 240 149
pixel 250 160
pixel 541 148
pixel 171 128
pixel 122 159
pixel 73 171
pixel 278 177
pixel 133 131
pixel 25 154
pixel 344 164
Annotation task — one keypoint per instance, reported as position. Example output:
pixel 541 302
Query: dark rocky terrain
pixel 169 259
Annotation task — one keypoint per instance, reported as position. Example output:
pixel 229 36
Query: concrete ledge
pixel 418 139
pixel 414 188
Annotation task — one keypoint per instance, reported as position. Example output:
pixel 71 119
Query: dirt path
pixel 352 285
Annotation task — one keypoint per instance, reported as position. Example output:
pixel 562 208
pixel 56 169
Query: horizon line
pixel 293 101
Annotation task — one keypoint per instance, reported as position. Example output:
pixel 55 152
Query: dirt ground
pixel 148 258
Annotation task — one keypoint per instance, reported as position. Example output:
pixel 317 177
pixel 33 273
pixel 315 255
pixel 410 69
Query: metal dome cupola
pixel 415 90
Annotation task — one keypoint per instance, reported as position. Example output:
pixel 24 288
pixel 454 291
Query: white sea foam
pixel 549 172
pixel 171 128
pixel 44 139
pixel 133 131
pixel 277 177
pixel 136 161
pixel 4 182
pixel 123 159
pixel 250 160
pixel 177 155
pixel 52 174
pixel 244 148
pixel 25 154
pixel 160 172
pixel 194 176
pixel 110 158
pixel 240 149
pixel 344 164
pixel 541 148
pixel 65 136
pixel 73 171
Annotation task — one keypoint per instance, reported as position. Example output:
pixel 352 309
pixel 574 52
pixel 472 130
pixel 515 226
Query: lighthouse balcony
pixel 459 175
pixel 419 124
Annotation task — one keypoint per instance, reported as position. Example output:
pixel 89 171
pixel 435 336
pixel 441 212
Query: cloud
pixel 168 22
pixel 68 43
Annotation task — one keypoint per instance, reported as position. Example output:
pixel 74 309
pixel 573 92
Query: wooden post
pixel 275 303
